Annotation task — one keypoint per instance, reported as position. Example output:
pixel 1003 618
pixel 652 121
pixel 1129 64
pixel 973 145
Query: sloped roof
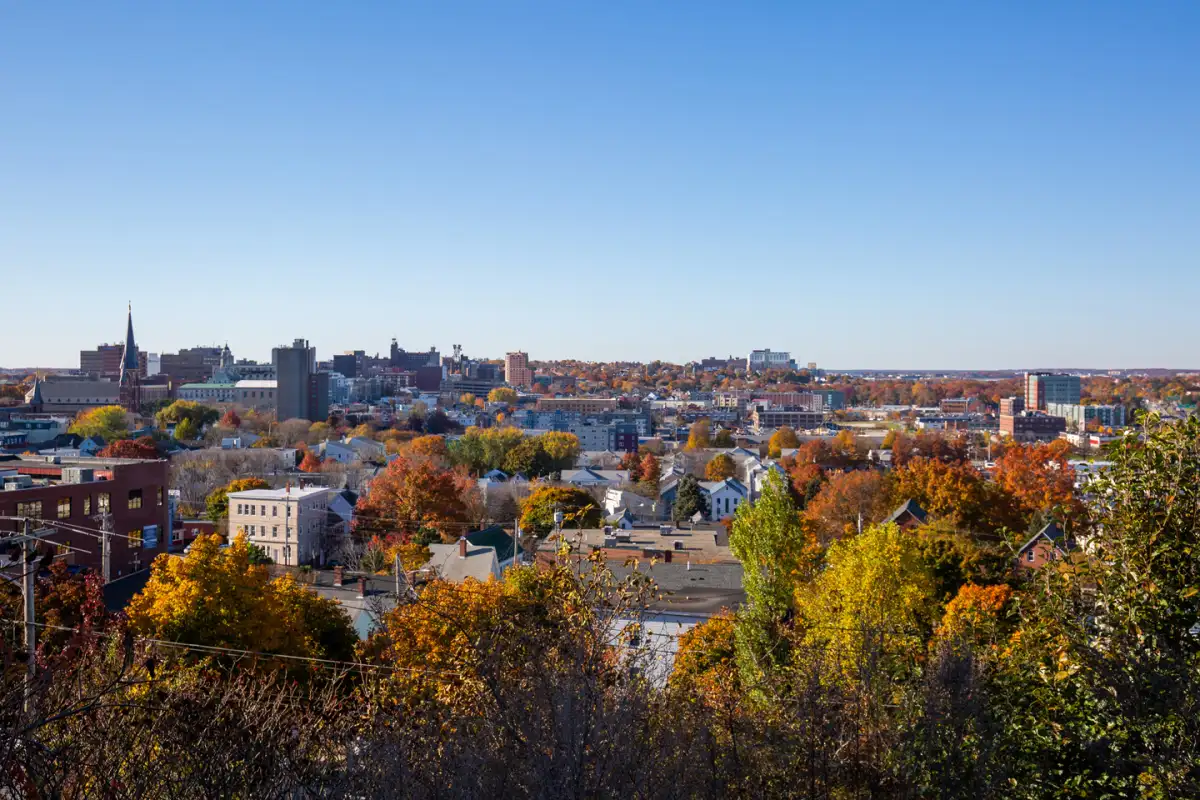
pixel 494 537
pixel 716 486
pixel 1051 533
pixel 909 506
pixel 481 562
pixel 129 358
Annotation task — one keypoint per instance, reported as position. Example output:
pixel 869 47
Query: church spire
pixel 129 359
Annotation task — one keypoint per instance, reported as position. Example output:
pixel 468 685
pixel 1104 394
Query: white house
pixel 291 525
pixel 338 451
pixel 367 449
pixel 724 496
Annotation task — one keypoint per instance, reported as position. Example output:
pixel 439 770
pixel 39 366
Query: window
pixel 64 508
pixel 263 510
pixel 239 508
pixel 274 531
pixel 135 499
pixel 251 530
pixel 135 539
pixel 32 509
pixel 87 505
pixel 1029 556
pixel 274 511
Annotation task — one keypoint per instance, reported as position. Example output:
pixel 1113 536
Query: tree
pixel 782 439
pixel 720 467
pixel 186 430
pixel 467 399
pixel 412 493
pixel 109 422
pixel 631 462
pixel 311 462
pixel 768 538
pixel 1039 478
pixel 706 661
pixel 142 447
pixel 217 502
pixel 562 449
pixel 845 500
pixel 698 435
pixel 219 598
pixel 433 447
pixel 578 508
pixel 723 438
pixel 872 584
pixel 293 431
pixel 230 419
pixel 689 499
pixel 502 394
pixel 481 450
pixel 258 555
pixel 438 422
pixel 319 432
pixel 198 414
pixel 528 458
pixel 651 472
pixel 956 492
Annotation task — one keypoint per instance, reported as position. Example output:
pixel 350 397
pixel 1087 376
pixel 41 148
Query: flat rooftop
pixel 704 544
pixel 293 493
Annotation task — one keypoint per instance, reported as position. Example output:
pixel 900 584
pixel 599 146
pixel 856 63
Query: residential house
pixel 908 515
pixel 1048 544
pixel 367 449
pixel 724 496
pixel 588 477
pixel 461 560
pixel 290 524
pixel 340 452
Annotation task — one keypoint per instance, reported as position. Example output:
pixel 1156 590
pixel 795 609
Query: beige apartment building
pixel 290 524
pixel 577 405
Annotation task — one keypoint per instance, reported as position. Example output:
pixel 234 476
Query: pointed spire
pixel 35 396
pixel 129 360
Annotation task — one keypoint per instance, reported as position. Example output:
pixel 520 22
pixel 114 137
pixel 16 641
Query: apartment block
pixel 291 525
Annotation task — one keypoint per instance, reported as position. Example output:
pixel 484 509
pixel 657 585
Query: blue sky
pixel 909 185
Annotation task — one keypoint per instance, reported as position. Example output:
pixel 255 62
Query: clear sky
pixel 908 185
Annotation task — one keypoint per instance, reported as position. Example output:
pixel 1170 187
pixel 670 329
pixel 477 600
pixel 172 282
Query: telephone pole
pixel 28 583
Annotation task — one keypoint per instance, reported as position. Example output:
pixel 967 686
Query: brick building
pixel 82 493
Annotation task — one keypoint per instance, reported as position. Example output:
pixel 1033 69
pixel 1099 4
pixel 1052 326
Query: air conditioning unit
pixel 78 475
pixel 15 482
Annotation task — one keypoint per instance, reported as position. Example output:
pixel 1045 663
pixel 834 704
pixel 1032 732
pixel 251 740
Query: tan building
pixel 763 419
pixel 291 525
pixel 577 405
pixel 517 371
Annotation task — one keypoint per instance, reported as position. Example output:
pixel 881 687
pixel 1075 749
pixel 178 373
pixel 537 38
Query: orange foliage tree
pixel 720 467
pixel 954 491
pixel 1039 479
pixel 836 509
pixel 431 446
pixel 311 462
pixel 142 447
pixel 414 493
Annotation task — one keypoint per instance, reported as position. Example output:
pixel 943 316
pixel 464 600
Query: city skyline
pixel 888 188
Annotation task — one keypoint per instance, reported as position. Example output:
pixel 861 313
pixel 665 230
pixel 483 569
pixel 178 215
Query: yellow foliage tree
pixel 699 435
pixel 502 394
pixel 783 439
pixel 109 422
pixel 219 598
pixel 720 467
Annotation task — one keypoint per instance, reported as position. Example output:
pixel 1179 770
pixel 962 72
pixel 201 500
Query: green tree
pixel 723 438
pixel 688 500
pixel 186 430
pixel 768 538
pixel 578 507
pixel 109 422
pixel 198 414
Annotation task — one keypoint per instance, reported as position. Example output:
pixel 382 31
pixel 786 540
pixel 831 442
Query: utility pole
pixel 396 572
pixel 28 579
pixel 105 520
pixel 516 541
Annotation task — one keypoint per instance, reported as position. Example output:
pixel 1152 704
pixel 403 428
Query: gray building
pixel 1078 416
pixel 1043 388
pixel 294 368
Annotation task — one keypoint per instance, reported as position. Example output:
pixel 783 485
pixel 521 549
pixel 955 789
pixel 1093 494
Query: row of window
pixel 250 530
pixel 249 510
pixel 65 506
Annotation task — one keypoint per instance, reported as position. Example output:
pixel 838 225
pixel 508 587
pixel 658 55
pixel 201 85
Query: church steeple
pixel 129 359
pixel 131 370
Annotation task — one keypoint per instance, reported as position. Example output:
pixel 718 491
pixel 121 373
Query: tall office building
pixel 516 369
pixel 1043 388
pixel 294 368
pixel 762 360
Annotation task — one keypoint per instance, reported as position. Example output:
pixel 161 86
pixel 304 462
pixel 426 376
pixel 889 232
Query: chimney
pixel 462 547
pixel 338 574
pixel 362 588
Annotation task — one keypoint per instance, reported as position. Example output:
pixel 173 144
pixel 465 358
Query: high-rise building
pixel 516 369
pixel 294 367
pixel 192 364
pixel 132 370
pixel 1043 388
pixel 761 360
pixel 350 363
pixel 105 361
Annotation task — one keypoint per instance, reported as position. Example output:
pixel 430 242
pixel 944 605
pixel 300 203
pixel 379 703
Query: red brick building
pixel 81 493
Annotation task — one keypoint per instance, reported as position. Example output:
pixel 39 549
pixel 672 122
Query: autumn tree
pixel 230 419
pixel 706 661
pixel 1039 479
pixel 217 502
pixel 954 491
pixel 311 462
pixel 698 435
pixel 651 472
pixel 411 493
pixel 142 447
pixel 720 467
pixel 631 462
pixel 433 447
pixel 562 448
pixel 292 432
pixel 108 422
pixel 219 598
pixel 783 438
pixel 723 438
pixel 845 500
pixel 502 394
pixel 578 507
pixel 481 450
